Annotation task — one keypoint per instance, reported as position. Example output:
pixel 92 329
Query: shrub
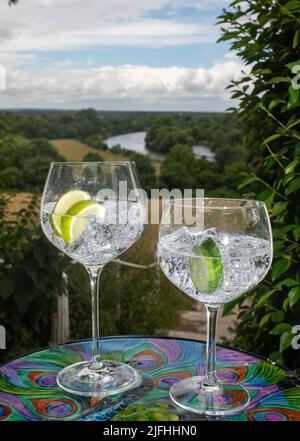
pixel 30 278
pixel 266 35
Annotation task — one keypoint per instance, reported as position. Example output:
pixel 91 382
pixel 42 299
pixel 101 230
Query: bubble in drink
pixel 214 267
pixel 104 234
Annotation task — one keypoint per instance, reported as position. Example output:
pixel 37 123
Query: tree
pixel 162 139
pixel 30 277
pixel 96 141
pixel 92 157
pixel 177 168
pixel 266 36
pixel 25 163
pixel 146 171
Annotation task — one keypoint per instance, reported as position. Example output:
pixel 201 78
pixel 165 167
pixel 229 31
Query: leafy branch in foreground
pixel 266 36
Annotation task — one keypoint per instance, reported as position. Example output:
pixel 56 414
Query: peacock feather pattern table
pixel 28 389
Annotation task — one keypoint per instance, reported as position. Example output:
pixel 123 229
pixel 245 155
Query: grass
pixel 74 150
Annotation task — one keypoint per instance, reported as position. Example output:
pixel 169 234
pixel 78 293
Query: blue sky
pixel 115 55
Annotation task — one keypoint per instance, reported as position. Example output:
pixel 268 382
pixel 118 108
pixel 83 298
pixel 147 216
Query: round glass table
pixel 29 392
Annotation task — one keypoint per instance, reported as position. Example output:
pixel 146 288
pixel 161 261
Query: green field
pixel 74 150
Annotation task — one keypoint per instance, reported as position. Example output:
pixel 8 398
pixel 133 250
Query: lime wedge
pixel 62 206
pixel 75 219
pixel 206 269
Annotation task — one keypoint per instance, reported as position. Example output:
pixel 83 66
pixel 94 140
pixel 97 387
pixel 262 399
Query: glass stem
pixel 94 274
pixel 210 378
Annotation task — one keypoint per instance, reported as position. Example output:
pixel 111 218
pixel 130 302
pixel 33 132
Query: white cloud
pixel 8 59
pixel 231 55
pixel 37 27
pixel 70 24
pixel 202 4
pixel 126 86
pixel 151 33
pixel 2 78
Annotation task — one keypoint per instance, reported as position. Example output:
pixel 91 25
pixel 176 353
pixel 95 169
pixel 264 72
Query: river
pixel 136 142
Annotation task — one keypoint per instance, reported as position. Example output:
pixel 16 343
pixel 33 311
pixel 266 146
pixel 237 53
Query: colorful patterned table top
pixel 28 389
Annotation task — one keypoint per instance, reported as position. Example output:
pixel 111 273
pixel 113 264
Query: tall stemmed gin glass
pixel 93 212
pixel 221 251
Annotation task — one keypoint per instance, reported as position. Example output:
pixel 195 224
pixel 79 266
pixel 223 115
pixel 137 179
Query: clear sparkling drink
pixel 211 266
pixel 103 237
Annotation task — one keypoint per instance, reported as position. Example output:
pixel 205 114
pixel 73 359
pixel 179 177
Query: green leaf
pixel 292 5
pixel 286 304
pixel 291 125
pixel 279 329
pixel 262 299
pixel 294 296
pixel 262 71
pixel 231 110
pixel 278 208
pixel 296 38
pixel 285 229
pixel 279 268
pixel 277 317
pixel 279 80
pixel 293 186
pixel 290 168
pixel 247 182
pixel 289 178
pixel 293 64
pixel 277 246
pixel 272 138
pixel 285 340
pixel 265 319
pixel 296 233
pixel 275 103
pixel 294 97
pixel 288 282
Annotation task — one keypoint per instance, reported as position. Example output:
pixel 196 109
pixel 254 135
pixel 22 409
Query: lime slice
pixel 63 205
pixel 206 270
pixel 75 219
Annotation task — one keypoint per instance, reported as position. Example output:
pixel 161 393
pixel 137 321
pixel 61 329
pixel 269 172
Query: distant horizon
pixel 53 109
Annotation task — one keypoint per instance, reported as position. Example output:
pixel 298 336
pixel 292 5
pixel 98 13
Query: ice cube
pixel 200 236
pixel 181 235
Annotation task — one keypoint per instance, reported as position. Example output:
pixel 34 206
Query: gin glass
pixel 93 212
pixel 214 250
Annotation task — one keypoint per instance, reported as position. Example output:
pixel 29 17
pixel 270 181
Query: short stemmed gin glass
pixel 93 212
pixel 222 250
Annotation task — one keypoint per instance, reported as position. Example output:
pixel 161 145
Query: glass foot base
pixel 226 399
pixel 110 377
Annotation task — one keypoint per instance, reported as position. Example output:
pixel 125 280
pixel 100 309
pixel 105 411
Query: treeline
pixel 175 135
pixel 217 130
pixel 27 154
pixel 221 132
pixel 181 169
pixel 87 125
